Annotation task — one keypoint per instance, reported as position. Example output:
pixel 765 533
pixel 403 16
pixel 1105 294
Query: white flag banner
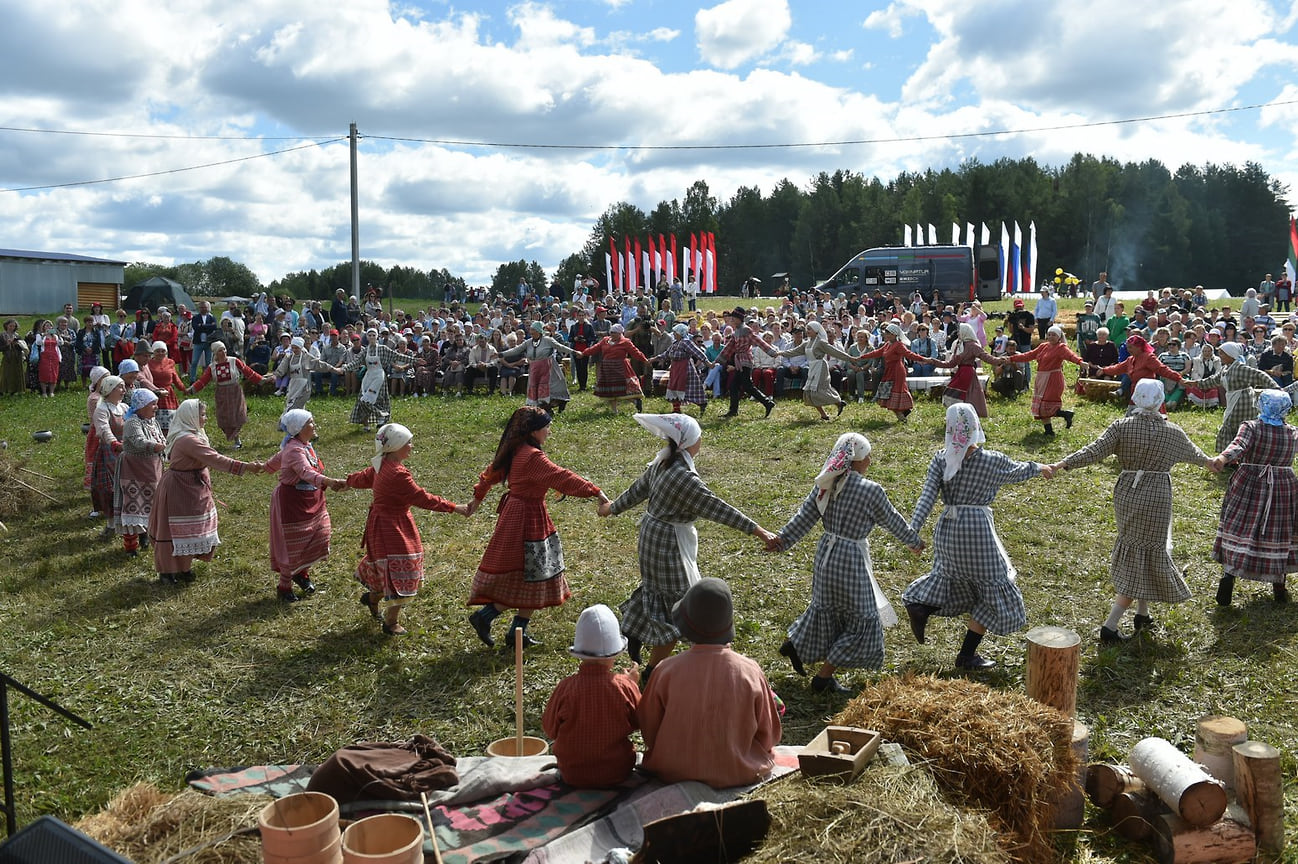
pixel 955 233
pixel 906 241
pixel 1005 257
pixel 985 238
pixel 1032 257
pixel 919 234
pixel 969 238
pixel 608 269
pixel 932 235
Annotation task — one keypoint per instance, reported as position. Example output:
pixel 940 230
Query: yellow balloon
pixel 1058 280
pixel 1059 271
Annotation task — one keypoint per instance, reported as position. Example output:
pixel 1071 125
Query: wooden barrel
pixel 390 838
pixel 300 829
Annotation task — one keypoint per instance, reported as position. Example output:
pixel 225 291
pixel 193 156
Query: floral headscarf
pixel 1137 344
pixel 682 429
pixel 963 431
pixel 1272 406
pixel 141 398
pixel 1148 397
pixel 389 439
pixel 850 447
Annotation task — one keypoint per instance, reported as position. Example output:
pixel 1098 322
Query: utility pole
pixel 356 227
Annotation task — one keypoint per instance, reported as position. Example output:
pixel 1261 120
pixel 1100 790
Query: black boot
pixel 828 685
pixel 1225 588
pixel 770 406
pixel 304 582
pixel 1050 430
pixel 841 406
pixel 286 595
pixel 639 406
pixel 1144 621
pixel 969 658
pixel 1068 419
pixel 633 646
pixel 1281 592
pixel 519 624
pixel 481 621
pixel 918 614
pixel 1111 637
pixel 788 650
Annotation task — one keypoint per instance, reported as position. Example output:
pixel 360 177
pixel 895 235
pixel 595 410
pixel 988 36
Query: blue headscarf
pixel 140 398
pixel 1272 406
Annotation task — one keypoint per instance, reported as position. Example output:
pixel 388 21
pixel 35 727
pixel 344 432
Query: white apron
pixel 372 383
pixel 887 615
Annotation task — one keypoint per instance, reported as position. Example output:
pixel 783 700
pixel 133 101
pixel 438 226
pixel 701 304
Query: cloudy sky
pixel 452 102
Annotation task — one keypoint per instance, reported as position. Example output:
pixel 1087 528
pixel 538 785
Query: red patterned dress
pixel 393 565
pixel 522 567
pixel 1258 535
pixel 299 522
pixel 615 378
pixel 892 392
pixel 231 407
pixel 1048 386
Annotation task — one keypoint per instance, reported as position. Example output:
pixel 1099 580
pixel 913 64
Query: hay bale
pixel 15 496
pixel 149 826
pixel 996 750
pixel 890 814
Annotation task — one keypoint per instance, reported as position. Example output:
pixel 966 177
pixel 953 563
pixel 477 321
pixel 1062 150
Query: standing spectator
pixel 204 330
pixel 1266 289
pixel 1283 293
pixel 1088 324
pixel 1045 312
pixel 581 335
pixel 1100 286
pixel 692 292
pixel 1104 305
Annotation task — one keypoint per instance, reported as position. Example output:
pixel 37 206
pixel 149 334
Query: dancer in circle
pixel 892 392
pixel 668 542
pixel 737 358
pixel 684 384
pixel 297 367
pixel 1141 363
pixel 818 390
pixel 108 420
pixel 1147 445
pixel 1048 384
pixel 231 407
pixel 1257 538
pixel 1237 380
pixel 843 625
pixel 964 385
pixel 972 575
pixel 615 380
pixel 522 567
pixel 392 568
pixel 373 405
pixel 139 470
pixel 547 387
pixel 300 528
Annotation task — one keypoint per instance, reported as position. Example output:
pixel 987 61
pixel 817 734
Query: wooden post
pixel 1104 783
pixel 1053 655
pixel 1070 811
pixel 1213 739
pixel 1261 790
pixel 1181 784
pixel 1223 842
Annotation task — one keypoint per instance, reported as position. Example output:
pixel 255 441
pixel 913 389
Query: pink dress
pixel 299 523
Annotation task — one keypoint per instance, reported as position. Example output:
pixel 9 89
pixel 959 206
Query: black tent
pixel 158 291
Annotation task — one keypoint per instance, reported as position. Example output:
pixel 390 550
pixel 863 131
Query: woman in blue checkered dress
pixel 668 543
pixel 971 573
pixel 844 624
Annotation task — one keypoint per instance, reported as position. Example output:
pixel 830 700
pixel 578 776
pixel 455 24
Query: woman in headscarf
pixel 684 384
pixel 13 359
pixel 106 421
pixel 522 566
pixel 69 362
pixel 892 392
pixel 97 375
pixel 668 542
pixel 843 625
pixel 166 332
pixel 1258 535
pixel 138 471
pixel 166 384
pixel 183 523
pixel 1141 363
pixel 546 385
pixel 392 568
pixel 1048 385
pixel 1238 381
pixel 1147 446
pixel 971 572
pixel 50 360
pixel 297 366
pixel 373 405
pixel 615 380
pixel 231 407
pixel 299 522
pixel 818 390
pixel 964 385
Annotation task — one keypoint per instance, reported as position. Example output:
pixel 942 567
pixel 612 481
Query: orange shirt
pixel 589 718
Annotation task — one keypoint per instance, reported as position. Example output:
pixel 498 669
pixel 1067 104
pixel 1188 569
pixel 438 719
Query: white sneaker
pixel 93 514
pixel 860 400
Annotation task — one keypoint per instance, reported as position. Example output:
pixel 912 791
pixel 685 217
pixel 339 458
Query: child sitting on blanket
pixel 591 715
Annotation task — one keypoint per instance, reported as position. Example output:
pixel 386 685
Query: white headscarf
pixel 158 346
pixel 108 384
pixel 963 431
pixel 1148 397
pixel 291 423
pixel 967 333
pixel 895 329
pixel 186 420
pixel 219 347
pixel 850 447
pixel 817 330
pixel 1234 349
pixel 389 439
pixel 682 429
pixel 97 374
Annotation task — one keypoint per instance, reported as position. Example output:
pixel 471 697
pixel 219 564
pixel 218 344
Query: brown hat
pixel 738 312
pixel 706 614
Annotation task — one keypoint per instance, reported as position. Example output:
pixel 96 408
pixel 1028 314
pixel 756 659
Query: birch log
pixel 1181 784
pixel 1053 656
pixel 1261 790
pixel 1223 842
pixel 1106 782
pixel 1213 740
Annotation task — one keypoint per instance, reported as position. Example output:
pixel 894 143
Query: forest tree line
pixel 1220 226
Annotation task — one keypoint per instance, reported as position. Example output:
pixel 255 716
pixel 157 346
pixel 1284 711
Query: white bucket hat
pixel 598 635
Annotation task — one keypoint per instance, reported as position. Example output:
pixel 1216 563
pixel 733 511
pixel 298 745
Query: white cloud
pixel 891 20
pixel 738 31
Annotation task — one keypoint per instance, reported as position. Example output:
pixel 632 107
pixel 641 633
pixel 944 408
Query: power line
pixel 172 170
pixel 849 142
pixel 161 137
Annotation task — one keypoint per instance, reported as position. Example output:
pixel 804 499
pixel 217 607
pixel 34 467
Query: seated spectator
pixel 482 363
pixel 1101 352
pixel 1176 359
pixel 708 714
pixel 1277 362
pixel 591 714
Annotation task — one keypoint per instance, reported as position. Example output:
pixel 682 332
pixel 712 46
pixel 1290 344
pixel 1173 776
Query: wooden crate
pixel 839 750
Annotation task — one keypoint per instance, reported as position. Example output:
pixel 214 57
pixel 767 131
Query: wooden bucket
pixel 390 838
pixel 300 829
pixel 532 746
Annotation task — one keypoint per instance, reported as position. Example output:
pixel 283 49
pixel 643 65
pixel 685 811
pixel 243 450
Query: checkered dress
pixel 841 625
pixel 380 411
pixel 675 494
pixel 1147 447
pixel 683 381
pixel 1258 535
pixel 1237 376
pixel 971 573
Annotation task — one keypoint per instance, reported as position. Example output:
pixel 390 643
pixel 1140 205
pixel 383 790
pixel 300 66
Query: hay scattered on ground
pixel 992 749
pixel 15 497
pixel 151 827
pixel 889 814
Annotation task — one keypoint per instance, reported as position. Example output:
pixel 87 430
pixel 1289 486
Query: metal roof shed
pixel 39 283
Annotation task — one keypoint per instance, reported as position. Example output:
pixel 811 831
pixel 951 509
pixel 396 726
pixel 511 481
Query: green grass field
pixel 218 673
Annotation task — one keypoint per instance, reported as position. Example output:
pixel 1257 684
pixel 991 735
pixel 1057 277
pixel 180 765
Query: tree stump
pixel 1105 782
pixel 1070 810
pixel 1213 740
pixel 1181 784
pixel 1223 842
pixel 1260 788
pixel 1053 655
